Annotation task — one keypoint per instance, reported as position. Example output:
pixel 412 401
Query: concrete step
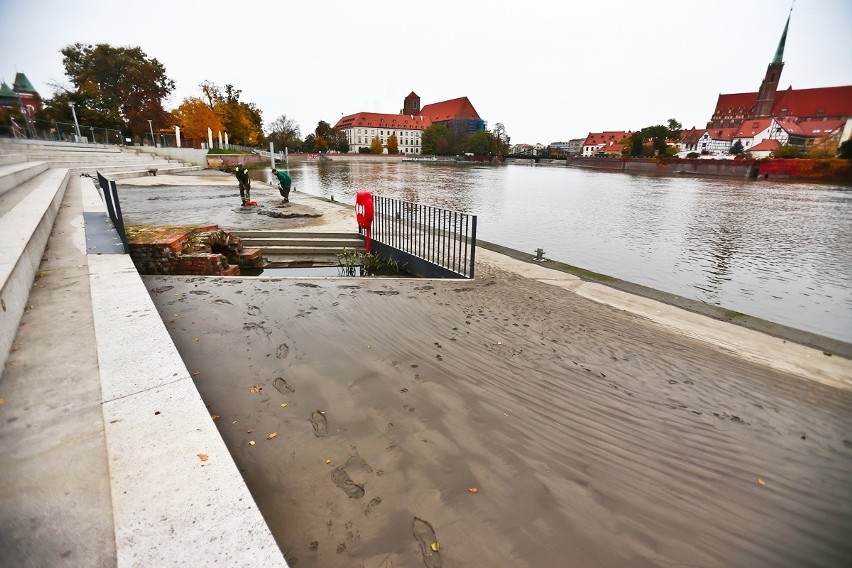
pixel 12 175
pixel 306 250
pixel 295 234
pixel 11 145
pixel 25 226
pixel 267 242
pixel 12 158
pixel 136 172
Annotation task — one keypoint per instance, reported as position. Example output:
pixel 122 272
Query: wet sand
pixel 591 436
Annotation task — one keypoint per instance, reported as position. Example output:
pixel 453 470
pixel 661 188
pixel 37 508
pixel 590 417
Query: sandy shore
pixel 592 437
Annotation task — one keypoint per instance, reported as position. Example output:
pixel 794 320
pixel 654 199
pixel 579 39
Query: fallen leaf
pixel 327 462
pixel 272 435
pixel 283 405
pixel 202 457
pixel 2 401
pixel 251 442
pixel 255 389
pixel 248 431
pixel 214 416
pixel 760 481
pixel 435 546
pixel 473 490
pixel 234 422
pixel 196 373
pixel 196 339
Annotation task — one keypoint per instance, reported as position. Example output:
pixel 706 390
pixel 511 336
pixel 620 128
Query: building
pixel 361 128
pixel 597 143
pixel 772 114
pixel 21 96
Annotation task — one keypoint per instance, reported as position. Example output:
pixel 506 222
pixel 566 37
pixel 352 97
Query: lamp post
pixel 153 140
pixel 73 112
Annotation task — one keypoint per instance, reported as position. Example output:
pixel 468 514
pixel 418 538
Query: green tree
pixel 284 133
pixel 113 86
pixel 393 144
pixel 787 151
pixel 310 144
pixel 482 143
pixel 438 140
pixel 737 148
pixel 376 146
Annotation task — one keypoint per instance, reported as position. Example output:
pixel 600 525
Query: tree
pixel 787 151
pixel 114 86
pixel 284 133
pixel 194 118
pixel 242 121
pixel 376 146
pixel 737 148
pixel 393 144
pixel 438 140
pixel 502 138
pixel 482 143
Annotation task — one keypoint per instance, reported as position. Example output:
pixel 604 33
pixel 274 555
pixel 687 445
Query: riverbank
pixel 510 419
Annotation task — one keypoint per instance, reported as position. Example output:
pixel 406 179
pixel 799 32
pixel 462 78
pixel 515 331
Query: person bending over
pixel 285 183
pixel 245 182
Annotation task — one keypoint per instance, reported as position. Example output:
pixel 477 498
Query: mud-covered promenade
pixel 514 421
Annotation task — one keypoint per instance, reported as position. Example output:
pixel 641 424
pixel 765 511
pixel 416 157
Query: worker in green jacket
pixel 245 182
pixel 285 183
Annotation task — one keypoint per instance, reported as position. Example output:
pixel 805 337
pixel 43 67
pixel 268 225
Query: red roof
pixel 606 138
pixel 722 133
pixel 736 103
pixel 450 110
pixel 813 103
pixel 768 144
pixel 817 127
pixel 751 127
pixel 691 136
pixel 378 120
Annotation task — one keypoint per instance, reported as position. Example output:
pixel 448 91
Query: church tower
pixel 411 105
pixel 766 94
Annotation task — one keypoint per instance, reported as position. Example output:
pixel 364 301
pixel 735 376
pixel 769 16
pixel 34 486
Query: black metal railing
pixel 109 194
pixel 432 241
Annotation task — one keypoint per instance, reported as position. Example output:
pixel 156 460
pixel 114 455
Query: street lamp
pixel 153 140
pixel 76 126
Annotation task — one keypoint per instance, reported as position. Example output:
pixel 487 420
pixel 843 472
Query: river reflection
pixel 778 251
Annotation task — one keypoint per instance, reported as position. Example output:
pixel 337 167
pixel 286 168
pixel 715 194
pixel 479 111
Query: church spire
pixel 779 53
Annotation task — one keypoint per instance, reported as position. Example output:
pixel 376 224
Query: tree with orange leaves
pixel 194 117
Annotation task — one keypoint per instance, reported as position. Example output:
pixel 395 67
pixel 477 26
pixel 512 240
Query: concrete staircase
pixel 102 424
pixel 296 248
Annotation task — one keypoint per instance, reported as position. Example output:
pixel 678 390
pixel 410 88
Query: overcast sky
pixel 547 70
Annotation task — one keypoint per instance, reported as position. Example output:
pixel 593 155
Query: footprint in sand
pixel 320 423
pixel 281 386
pixel 282 351
pixel 374 502
pixel 342 480
pixel 425 535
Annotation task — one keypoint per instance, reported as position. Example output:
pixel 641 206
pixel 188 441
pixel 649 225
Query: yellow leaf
pixel 214 416
pixel 196 339
pixel 272 435
pixel 255 388
pixel 435 546
pixel 327 462
pixel 202 457
pixel 251 442
pixel 473 490
pixel 283 405
pixel 760 481
pixel 2 401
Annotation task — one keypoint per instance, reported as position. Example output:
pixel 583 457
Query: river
pixel 775 250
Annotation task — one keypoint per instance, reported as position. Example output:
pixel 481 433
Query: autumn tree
pixel 393 144
pixel 284 133
pixel 113 87
pixel 376 146
pixel 194 118
pixel 242 121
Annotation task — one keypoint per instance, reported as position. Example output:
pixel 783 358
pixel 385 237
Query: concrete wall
pixel 673 166
pixel 188 155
